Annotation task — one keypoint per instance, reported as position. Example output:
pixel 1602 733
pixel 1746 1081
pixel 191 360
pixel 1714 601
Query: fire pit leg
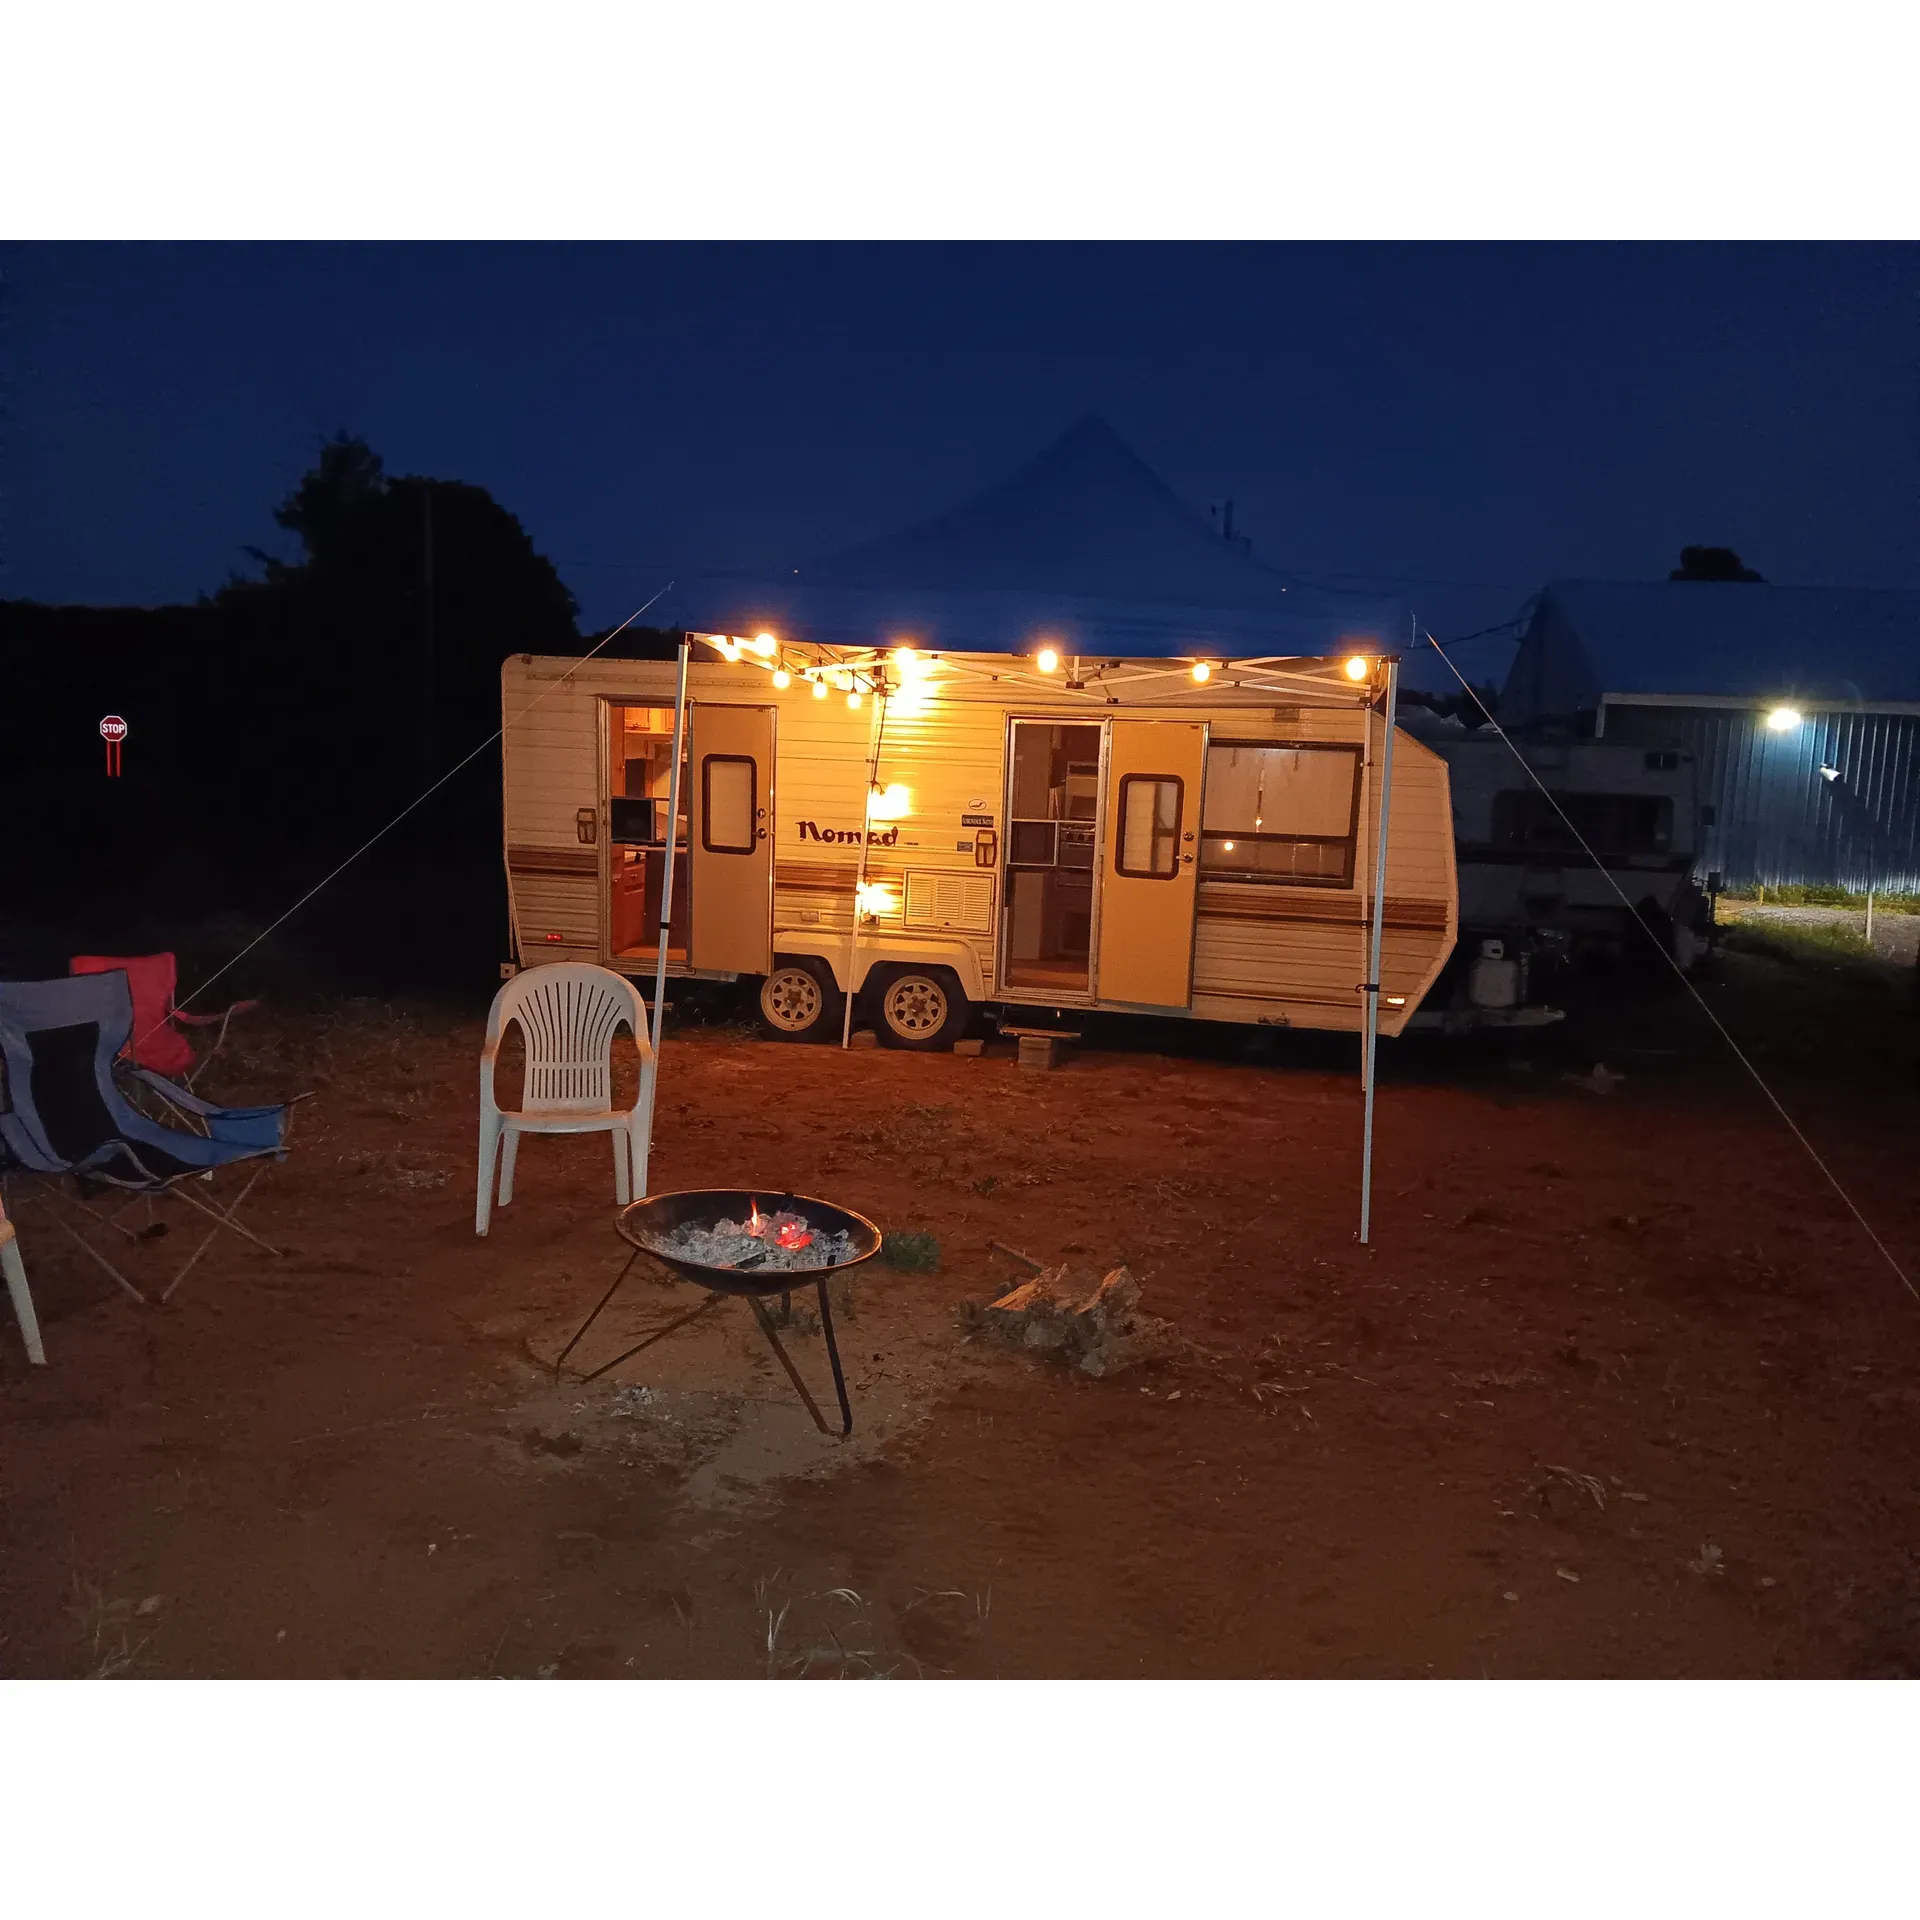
pixel 761 1314
pixel 833 1354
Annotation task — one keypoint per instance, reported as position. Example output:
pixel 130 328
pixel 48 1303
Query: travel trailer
pixel 1027 834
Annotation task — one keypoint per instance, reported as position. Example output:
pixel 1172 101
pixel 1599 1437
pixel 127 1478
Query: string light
pixel 819 689
pixel 1046 660
pixel 782 678
pixel 764 644
pixel 1358 667
pixel 1202 671
pixel 853 700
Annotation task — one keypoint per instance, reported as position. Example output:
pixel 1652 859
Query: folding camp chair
pixel 157 1041
pixel 64 1113
pixel 16 1271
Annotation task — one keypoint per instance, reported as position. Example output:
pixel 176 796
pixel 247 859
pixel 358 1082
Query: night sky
pixel 1458 423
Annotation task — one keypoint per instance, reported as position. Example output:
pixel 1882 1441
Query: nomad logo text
pixel 876 836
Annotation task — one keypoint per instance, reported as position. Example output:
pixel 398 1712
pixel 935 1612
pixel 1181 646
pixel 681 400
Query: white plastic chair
pixel 16 1271
pixel 567 1015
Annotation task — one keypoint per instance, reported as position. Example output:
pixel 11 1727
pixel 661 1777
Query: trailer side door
pixel 1149 878
pixel 732 849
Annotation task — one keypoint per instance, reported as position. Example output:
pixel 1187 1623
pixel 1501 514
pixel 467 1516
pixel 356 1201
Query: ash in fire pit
pixel 768 1242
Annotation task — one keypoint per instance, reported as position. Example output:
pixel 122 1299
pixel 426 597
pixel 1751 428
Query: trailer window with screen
pixel 1280 813
pixel 727 803
pixel 1148 847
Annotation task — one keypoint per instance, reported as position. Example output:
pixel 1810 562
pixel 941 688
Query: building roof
pixel 1818 646
pixel 1084 545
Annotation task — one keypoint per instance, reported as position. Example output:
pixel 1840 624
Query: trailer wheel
pixel 799 1001
pixel 921 1008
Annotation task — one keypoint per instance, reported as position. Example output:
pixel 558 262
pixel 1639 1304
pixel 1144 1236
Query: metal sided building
pixel 1799 705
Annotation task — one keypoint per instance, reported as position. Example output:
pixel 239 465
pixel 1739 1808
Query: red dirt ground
pixel 352 1461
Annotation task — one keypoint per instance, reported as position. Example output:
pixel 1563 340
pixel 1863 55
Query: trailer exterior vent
pixel 960 901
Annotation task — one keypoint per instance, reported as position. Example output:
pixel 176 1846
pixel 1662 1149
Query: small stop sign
pixel 113 730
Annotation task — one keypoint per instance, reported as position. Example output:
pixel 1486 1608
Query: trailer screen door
pixel 1149 878
pixel 731 772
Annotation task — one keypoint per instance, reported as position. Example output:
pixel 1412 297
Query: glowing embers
pixel 779 1242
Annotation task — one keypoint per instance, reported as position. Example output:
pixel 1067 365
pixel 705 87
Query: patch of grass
pixel 1897 902
pixel 1798 940
pixel 910 1252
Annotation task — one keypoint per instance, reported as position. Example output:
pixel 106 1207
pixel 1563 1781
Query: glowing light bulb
pixel 889 803
pixel 905 660
pixel 782 678
pixel 819 689
pixel 764 644
pixel 1358 667
pixel 853 701
pixel 1784 719
pixel 1046 660
pixel 1202 671
pixel 1229 846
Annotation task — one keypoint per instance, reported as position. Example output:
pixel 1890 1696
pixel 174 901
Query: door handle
pixel 586 825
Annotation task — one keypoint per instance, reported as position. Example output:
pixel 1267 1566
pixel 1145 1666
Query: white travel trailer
pixel 938 832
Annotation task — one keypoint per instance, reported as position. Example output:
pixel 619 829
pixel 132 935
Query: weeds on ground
pixel 912 1252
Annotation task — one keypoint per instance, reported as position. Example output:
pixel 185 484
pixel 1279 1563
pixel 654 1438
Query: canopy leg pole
pixel 1372 988
pixel 866 840
pixel 666 896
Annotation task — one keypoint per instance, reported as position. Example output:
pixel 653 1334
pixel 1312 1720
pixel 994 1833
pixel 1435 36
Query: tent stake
pixel 1372 988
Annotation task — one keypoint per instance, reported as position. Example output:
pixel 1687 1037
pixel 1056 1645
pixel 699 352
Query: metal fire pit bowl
pixel 646 1224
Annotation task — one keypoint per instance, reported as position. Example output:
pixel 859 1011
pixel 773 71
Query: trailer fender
pixel 885 951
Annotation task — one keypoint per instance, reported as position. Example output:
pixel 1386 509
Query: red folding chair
pixel 158 1042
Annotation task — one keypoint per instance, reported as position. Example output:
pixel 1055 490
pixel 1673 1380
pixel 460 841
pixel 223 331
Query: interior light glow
pixel 1358 667
pixel 1046 660
pixel 764 644
pixel 1202 671
pixel 782 678
pixel 1784 719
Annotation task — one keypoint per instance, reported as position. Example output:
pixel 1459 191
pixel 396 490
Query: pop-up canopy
pixel 1084 548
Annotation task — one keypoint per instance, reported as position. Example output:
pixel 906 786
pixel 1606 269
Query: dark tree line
pixel 274 725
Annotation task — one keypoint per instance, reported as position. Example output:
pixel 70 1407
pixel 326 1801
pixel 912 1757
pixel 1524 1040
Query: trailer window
pixel 727 784
pixel 1280 813
pixel 1148 847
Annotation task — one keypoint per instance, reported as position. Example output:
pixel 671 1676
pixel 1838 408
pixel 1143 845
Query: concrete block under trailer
pixel 1132 843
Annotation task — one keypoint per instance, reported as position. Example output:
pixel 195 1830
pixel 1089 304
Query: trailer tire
pixel 920 1009
pixel 798 1001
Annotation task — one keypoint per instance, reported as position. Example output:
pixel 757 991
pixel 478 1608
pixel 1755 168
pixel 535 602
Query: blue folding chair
pixel 63 1112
